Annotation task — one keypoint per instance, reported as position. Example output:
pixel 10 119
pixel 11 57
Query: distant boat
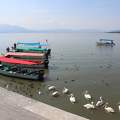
pixel 105 42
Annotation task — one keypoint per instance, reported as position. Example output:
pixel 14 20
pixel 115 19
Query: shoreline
pixel 16 105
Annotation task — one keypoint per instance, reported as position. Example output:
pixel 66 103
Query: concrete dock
pixel 14 106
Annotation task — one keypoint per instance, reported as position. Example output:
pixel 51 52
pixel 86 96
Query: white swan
pixel 87 95
pixel 109 109
pixel 89 105
pixel 72 98
pixel 65 90
pixel 119 106
pixel 99 102
pixel 55 94
pixel 39 92
pixel 51 87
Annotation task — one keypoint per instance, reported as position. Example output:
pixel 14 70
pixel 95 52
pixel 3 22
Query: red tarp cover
pixel 24 54
pixel 15 61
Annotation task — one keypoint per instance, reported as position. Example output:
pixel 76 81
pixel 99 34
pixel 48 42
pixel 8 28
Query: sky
pixel 61 14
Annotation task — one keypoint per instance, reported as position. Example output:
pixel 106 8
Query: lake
pixel 78 64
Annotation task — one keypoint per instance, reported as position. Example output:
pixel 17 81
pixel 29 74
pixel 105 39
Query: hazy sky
pixel 54 14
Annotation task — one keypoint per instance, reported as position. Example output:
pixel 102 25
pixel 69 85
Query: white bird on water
pixel 99 102
pixel 39 92
pixel 51 87
pixel 109 109
pixel 55 94
pixel 72 98
pixel 87 95
pixel 89 105
pixel 119 106
pixel 65 90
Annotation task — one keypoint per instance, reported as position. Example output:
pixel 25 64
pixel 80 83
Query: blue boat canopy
pixel 33 44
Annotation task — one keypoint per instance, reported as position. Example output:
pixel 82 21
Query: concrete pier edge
pixel 34 109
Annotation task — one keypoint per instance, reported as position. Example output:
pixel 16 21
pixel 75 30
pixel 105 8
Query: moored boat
pixel 24 63
pixel 20 69
pixel 35 57
pixel 105 42
pixel 19 72
pixel 41 47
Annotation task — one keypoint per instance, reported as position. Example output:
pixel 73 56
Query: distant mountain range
pixel 5 28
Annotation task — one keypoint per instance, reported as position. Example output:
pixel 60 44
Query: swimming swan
pixel 99 102
pixel 109 109
pixel 65 90
pixel 89 105
pixel 72 98
pixel 51 87
pixel 87 95
pixel 55 94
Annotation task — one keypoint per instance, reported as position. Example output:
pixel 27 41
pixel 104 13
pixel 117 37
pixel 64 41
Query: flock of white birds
pixel 87 96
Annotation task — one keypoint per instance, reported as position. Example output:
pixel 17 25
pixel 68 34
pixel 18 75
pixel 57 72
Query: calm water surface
pixel 78 64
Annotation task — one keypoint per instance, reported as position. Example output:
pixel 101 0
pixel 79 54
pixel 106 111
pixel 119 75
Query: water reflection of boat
pixel 20 69
pixel 105 42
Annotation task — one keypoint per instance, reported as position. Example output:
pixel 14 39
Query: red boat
pixel 38 58
pixel 15 61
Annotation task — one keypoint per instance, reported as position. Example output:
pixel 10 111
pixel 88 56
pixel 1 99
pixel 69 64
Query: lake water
pixel 78 64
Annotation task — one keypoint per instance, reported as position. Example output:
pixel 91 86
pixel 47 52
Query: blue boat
pixel 31 47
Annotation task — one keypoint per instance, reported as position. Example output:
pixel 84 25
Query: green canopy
pixel 31 49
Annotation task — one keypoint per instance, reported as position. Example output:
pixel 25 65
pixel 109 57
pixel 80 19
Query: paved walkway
pixel 17 107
